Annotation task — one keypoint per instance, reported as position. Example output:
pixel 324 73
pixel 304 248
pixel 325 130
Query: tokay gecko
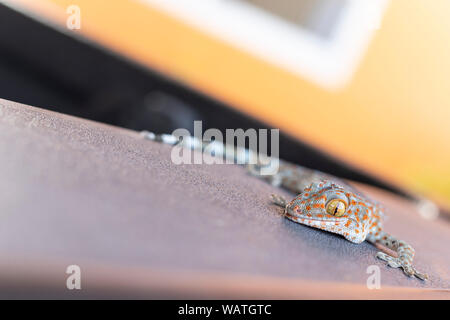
pixel 323 201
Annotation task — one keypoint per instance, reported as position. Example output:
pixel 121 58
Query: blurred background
pixel 358 88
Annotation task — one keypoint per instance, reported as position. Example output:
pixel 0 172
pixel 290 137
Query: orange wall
pixel 393 118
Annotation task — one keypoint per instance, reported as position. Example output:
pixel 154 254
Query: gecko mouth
pixel 340 229
pixel 299 217
pixel 313 219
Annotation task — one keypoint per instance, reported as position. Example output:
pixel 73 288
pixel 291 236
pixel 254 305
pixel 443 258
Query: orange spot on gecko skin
pixel 322 206
pixel 353 202
pixel 306 194
pixel 308 215
pixel 308 208
pixel 349 211
pixel 356 230
pixel 348 223
pixel 303 202
pixel 316 205
pixel 347 195
pixel 365 217
pixel 336 223
pixel 319 216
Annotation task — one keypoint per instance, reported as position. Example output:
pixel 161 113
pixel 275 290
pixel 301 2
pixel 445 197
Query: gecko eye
pixel 336 207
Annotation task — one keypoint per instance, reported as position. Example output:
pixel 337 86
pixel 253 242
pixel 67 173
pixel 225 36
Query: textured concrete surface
pixel 79 192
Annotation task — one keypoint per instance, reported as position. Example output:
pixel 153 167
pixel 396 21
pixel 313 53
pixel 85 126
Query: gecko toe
pixel 382 256
pixel 409 271
pixel 391 261
pixel 421 276
pixel 385 257
pixel 394 264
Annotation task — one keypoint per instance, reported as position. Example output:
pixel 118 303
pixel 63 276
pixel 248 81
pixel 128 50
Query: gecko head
pixel 334 208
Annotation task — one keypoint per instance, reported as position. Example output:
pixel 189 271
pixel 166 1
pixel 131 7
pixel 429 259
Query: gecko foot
pixel 408 269
pixel 278 200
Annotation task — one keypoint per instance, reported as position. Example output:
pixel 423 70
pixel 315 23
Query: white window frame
pixel 328 62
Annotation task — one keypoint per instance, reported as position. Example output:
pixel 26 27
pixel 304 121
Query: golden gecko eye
pixel 336 207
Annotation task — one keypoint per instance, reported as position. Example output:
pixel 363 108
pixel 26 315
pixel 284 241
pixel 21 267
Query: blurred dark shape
pixel 164 113
pixel 126 107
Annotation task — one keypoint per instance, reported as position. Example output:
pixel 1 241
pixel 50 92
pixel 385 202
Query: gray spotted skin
pixel 361 221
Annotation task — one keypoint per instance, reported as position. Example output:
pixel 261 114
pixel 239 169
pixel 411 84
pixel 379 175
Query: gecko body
pixel 323 201
pixel 330 204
